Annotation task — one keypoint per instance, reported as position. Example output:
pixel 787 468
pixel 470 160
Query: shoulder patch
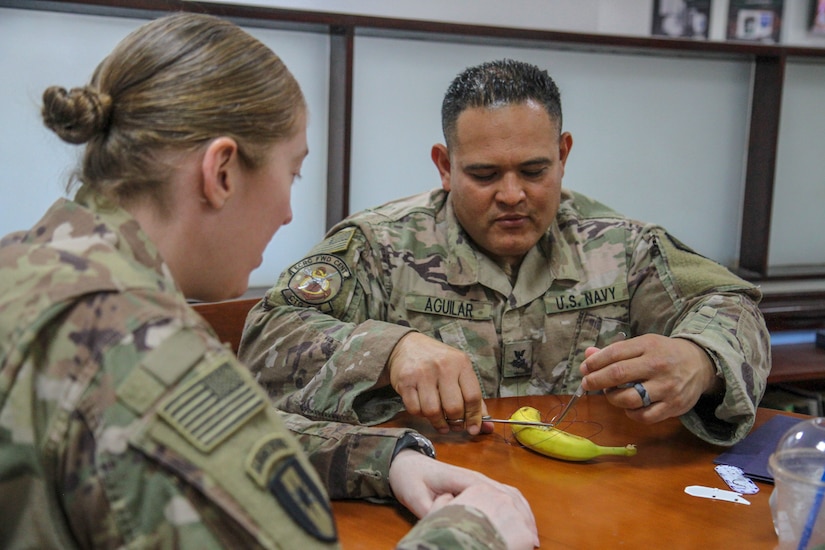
pixel 266 453
pixel 315 280
pixel 302 499
pixel 211 407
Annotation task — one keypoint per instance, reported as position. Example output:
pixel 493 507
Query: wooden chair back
pixel 227 318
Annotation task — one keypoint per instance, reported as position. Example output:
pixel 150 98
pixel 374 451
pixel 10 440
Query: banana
pixel 557 443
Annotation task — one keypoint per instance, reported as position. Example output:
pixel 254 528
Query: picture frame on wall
pixel 755 20
pixel 681 18
pixel 816 17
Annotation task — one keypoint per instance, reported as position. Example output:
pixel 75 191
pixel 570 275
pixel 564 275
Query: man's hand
pixel 425 485
pixel 675 372
pixel 438 382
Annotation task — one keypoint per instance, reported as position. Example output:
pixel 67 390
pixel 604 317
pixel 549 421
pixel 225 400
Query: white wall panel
pixel 798 217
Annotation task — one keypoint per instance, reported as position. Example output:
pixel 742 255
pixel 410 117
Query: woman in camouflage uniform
pixel 123 420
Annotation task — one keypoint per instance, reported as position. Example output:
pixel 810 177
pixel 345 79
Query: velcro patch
pixel 336 243
pixel 212 407
pixel 140 390
pixel 303 500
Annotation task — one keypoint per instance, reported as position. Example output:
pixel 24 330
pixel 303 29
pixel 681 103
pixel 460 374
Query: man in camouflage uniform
pixel 125 422
pixel 541 288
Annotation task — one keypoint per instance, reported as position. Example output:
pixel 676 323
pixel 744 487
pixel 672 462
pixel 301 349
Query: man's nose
pixel 511 190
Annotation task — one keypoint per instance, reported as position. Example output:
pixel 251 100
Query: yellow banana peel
pixel 557 443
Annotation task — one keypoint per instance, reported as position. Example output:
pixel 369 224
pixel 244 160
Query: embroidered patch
pixel 303 500
pixel 315 280
pixel 212 407
pixel 585 298
pixel 267 452
pixel 462 309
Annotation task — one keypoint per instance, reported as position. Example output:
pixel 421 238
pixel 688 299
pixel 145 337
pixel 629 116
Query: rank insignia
pixel 303 500
pixel 517 359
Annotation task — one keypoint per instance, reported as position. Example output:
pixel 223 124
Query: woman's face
pixel 261 207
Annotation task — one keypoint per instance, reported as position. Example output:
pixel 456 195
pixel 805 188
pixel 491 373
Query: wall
pixel 659 138
pixel 63 49
pixel 618 17
pixel 798 223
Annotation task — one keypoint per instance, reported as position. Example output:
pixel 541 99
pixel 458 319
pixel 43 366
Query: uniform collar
pixel 466 265
pixel 119 229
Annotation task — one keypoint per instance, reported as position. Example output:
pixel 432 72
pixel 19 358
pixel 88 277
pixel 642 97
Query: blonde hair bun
pixel 77 115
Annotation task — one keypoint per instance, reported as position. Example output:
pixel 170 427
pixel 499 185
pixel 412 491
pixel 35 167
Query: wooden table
pixel 610 502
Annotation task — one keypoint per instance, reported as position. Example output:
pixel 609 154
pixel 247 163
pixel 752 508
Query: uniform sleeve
pixel 317 342
pixel 162 438
pixel 453 526
pixel 679 293
pixel 352 461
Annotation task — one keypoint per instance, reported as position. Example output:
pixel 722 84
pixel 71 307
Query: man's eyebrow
pixel 479 166
pixel 540 161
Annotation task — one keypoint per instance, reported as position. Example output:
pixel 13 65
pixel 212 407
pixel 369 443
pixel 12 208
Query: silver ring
pixel 454 421
pixel 640 389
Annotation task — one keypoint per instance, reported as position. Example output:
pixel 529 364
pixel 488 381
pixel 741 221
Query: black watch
pixel 415 441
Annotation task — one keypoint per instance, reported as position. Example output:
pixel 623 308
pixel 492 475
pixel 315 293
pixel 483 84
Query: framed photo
pixel 817 17
pixel 681 18
pixel 755 20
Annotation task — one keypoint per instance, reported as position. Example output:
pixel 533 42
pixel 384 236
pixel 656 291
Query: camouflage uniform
pixel 125 423
pixel 320 339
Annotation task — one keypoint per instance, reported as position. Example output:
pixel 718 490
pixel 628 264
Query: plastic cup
pixel 798 467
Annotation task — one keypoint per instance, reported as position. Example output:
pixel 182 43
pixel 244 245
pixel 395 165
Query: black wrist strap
pixel 415 441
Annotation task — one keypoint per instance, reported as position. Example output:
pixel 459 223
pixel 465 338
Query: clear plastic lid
pixel 800 454
pixel 808 435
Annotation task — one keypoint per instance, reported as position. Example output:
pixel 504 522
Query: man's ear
pixel 220 169
pixel 441 159
pixel 565 144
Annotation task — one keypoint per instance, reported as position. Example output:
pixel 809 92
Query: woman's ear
pixel 220 168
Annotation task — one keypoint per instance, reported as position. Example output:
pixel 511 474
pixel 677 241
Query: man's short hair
pixel 496 83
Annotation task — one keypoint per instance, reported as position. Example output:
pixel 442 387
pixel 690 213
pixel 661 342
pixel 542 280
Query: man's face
pixel 504 175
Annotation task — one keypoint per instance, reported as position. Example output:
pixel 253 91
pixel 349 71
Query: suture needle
pixel 578 393
pixel 557 419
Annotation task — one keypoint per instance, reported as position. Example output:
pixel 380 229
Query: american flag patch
pixel 338 242
pixel 210 408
